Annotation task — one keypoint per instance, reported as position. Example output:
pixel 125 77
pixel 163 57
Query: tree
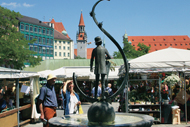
pixel 78 57
pixel 130 51
pixel 14 49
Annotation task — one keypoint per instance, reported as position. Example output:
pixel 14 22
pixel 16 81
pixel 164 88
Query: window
pixel 63 42
pixel 40 30
pixel 64 54
pixel 170 44
pixel 31 37
pixel 174 39
pixel 40 49
pixel 55 41
pixel 27 28
pixel 40 40
pixel 59 47
pixel 164 39
pixel 27 37
pixel 142 39
pixel 132 39
pixel 44 50
pixel 185 43
pixel 154 44
pixel 47 32
pixel 63 47
pixel 36 39
pixel 47 50
pixel 55 53
pixel 35 29
pixel 51 32
pixel 68 48
pixel 153 39
pixel 59 53
pixel 51 42
pixel 31 28
pixel 44 31
pixel 181 44
pixel 35 48
pixel 55 47
pixel 68 54
pixel 31 47
pixel 149 44
pixel 47 41
pixel 60 42
pixel 44 40
pixel 68 42
pixel 165 44
pixel 160 44
pixel 51 50
pixel 175 44
pixel 133 45
pixel 22 26
pixel 184 39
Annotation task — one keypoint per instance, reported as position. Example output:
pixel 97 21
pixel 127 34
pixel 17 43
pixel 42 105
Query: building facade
pixel 35 29
pixel 63 45
pixel 81 37
pixel 160 42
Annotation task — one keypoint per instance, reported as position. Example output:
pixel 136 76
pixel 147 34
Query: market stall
pixel 13 114
pixel 165 60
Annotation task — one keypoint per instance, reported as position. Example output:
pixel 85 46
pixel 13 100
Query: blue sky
pixel 136 17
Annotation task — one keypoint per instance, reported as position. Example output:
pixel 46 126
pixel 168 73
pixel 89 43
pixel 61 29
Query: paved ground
pixel 85 107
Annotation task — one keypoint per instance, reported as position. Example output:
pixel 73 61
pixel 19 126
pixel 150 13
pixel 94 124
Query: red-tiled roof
pixel 58 26
pixel 161 42
pixel 81 22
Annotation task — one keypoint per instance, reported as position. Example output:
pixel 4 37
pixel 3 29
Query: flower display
pixel 173 79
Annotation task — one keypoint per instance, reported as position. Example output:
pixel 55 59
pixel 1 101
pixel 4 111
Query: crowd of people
pixel 7 98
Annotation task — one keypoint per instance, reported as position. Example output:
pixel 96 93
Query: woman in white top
pixel 71 99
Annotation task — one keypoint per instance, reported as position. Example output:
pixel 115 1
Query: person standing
pixel 48 100
pixel 99 92
pixel 109 89
pixel 3 104
pixel 71 100
pixel 100 54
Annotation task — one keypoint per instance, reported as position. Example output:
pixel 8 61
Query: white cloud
pixel 27 5
pixel 13 4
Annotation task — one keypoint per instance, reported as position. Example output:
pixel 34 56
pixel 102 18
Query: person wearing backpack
pixel 108 91
pixel 48 100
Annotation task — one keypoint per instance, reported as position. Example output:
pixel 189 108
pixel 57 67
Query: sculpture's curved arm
pixel 118 46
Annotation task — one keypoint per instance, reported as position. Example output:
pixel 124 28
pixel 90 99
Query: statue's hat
pixel 98 39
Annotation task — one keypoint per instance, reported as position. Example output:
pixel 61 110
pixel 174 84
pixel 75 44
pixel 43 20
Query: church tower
pixel 81 38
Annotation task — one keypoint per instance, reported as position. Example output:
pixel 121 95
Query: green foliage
pixel 78 57
pixel 14 48
pixel 130 51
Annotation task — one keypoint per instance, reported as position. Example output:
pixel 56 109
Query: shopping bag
pixel 80 109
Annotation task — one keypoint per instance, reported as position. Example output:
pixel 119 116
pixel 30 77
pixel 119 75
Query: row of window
pixel 41 49
pixel 68 48
pixel 64 54
pixel 63 42
pixel 163 39
pixel 40 40
pixel 169 45
pixel 36 29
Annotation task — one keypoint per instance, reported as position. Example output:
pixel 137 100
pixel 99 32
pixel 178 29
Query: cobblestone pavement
pixel 85 107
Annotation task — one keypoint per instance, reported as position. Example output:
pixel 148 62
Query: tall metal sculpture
pixel 101 111
pixel 125 79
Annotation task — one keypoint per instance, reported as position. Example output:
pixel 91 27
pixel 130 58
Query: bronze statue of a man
pixel 100 54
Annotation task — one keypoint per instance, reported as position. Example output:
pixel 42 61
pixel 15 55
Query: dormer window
pixel 153 39
pixel 174 39
pixel 142 39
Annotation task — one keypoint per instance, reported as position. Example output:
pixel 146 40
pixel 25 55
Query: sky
pixel 134 17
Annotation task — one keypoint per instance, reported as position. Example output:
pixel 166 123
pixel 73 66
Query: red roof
pixel 81 22
pixel 89 52
pixel 161 42
pixel 58 26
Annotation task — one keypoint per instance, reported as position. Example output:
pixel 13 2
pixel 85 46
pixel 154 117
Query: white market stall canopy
pixel 13 73
pixel 81 73
pixel 169 59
